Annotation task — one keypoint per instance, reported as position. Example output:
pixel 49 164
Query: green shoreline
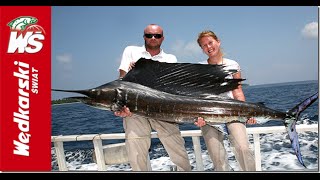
pixel 63 101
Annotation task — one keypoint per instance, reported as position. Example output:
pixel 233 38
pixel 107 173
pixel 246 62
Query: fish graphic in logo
pixel 22 22
pixel 26 35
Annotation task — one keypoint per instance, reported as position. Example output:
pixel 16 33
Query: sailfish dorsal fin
pixel 182 78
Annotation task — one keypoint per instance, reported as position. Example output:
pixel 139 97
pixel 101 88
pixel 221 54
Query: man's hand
pixel 200 122
pixel 131 65
pixel 124 112
pixel 251 121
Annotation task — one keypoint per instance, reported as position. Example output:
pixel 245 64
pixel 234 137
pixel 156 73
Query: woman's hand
pixel 125 112
pixel 251 121
pixel 200 122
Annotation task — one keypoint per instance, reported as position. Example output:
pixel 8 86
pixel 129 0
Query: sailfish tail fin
pixel 290 124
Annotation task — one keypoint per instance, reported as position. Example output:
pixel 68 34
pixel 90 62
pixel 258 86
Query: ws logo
pixel 26 35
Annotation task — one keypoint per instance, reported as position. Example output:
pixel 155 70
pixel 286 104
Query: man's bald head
pixel 153 29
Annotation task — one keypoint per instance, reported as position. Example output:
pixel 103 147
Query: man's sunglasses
pixel 157 36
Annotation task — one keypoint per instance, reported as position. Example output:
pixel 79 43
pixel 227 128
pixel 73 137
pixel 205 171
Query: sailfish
pixel 182 92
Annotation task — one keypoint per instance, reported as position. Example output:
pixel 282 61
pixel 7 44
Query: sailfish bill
pixel 148 91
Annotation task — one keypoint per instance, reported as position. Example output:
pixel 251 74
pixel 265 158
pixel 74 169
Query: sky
pixel 272 44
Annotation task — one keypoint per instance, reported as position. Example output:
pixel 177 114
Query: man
pixel 137 128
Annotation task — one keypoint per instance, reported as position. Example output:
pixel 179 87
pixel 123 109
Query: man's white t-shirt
pixel 134 53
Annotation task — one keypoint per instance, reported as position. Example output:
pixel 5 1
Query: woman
pixel 210 44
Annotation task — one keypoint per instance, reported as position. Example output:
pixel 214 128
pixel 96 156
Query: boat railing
pixel 194 134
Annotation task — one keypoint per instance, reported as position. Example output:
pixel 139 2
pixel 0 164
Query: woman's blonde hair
pixel 207 33
pixel 211 34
